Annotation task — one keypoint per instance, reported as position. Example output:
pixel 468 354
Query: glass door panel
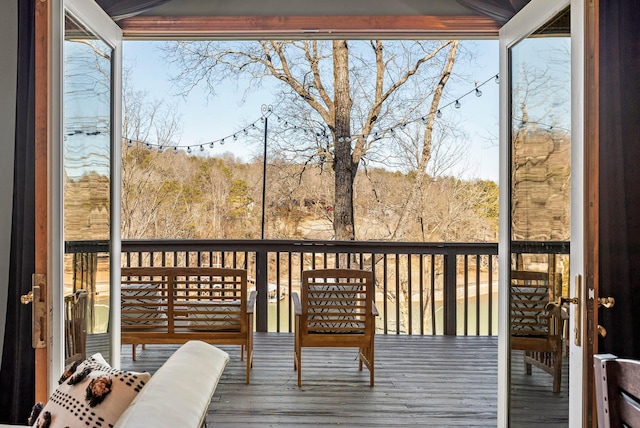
pixel 89 134
pixel 540 213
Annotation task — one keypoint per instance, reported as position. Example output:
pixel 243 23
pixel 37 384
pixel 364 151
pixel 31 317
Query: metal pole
pixel 264 174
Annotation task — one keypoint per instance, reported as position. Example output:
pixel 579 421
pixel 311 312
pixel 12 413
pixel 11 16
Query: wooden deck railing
pixel 422 288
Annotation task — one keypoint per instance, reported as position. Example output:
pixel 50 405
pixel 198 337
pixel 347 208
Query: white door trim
pixel 576 361
pixel 96 20
pixel 530 18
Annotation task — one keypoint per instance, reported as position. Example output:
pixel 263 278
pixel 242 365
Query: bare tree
pixel 145 120
pixel 348 92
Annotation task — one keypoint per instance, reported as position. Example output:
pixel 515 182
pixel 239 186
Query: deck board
pixel 420 381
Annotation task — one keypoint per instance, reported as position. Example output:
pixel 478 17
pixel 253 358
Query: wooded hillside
pixel 167 195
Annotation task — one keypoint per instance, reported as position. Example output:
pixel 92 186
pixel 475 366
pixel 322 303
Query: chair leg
pixel 133 352
pixel 371 372
pixel 299 358
pixel 557 371
pixel 366 357
pixel 248 365
pixel 527 366
pixel 371 364
pixel 249 349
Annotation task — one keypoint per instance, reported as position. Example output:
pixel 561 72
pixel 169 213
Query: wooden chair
pixel 617 391
pixel 535 329
pixel 173 305
pixel 335 309
pixel 75 327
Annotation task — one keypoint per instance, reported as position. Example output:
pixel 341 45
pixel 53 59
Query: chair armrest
pixel 251 301
pixel 374 310
pixel 297 307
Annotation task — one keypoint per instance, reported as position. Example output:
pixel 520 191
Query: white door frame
pixel 531 17
pixel 577 400
pixel 96 20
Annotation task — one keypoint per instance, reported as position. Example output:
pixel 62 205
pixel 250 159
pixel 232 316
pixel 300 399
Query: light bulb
pixel 211 144
pixel 439 114
pixel 222 142
pixel 235 137
pixel 175 150
pixel 201 149
pixel 478 92
pixel 188 149
pixel 129 143
pixel 497 79
pixel 457 105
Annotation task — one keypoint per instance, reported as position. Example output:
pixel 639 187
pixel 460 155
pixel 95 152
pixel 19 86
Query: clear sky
pixel 211 118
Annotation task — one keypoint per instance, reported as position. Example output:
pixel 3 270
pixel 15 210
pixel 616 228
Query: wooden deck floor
pixel 420 381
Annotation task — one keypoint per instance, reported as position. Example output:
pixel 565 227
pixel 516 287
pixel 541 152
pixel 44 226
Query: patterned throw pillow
pixel 92 396
pixel 145 299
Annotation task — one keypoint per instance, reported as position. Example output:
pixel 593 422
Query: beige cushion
pixel 96 400
pixel 179 393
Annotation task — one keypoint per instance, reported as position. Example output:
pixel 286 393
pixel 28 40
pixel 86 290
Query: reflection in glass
pixel 87 186
pixel 540 84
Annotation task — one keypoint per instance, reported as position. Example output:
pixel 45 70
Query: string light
pixel 378 134
pixel 190 147
pixel 548 127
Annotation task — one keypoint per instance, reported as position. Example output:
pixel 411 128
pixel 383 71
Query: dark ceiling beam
pixel 252 27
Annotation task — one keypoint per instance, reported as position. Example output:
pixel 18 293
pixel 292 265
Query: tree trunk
pixel 344 166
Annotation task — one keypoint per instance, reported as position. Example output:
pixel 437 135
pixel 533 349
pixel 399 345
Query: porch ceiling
pixel 309 19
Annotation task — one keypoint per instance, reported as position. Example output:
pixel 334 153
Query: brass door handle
pixel 25 299
pixel 601 330
pixel 606 302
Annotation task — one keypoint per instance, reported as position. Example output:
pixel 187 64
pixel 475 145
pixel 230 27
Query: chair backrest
pixel 617 391
pixel 184 299
pixel 75 326
pixel 530 294
pixel 337 301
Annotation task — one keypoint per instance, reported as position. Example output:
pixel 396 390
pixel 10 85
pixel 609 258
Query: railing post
pixel 261 287
pixel 450 294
